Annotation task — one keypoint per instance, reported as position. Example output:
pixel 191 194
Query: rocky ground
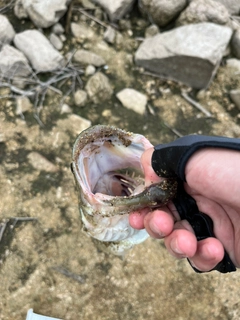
pixel 47 263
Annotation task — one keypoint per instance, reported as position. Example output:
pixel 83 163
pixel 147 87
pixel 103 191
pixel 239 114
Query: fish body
pixel 106 163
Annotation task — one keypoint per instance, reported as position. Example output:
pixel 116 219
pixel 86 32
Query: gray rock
pixel 90 70
pixel 99 88
pixel 233 6
pixel 133 100
pixel 7 32
pixel 13 63
pixel 115 9
pixel 58 29
pixel 38 50
pixel 19 10
pixel 109 35
pixel 235 43
pixel 204 11
pixel 45 13
pixel 23 104
pixel 80 30
pixel 189 54
pixel 235 96
pixel 80 98
pixel 151 31
pixel 55 41
pixel 85 57
pixel 161 12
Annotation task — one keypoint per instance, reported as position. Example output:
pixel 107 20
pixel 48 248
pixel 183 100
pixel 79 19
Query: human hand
pixel 213 180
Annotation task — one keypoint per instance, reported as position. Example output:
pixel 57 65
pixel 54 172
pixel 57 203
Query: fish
pixel 106 164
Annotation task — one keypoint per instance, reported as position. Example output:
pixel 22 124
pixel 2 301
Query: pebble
pixel 235 96
pixel 151 31
pixel 58 29
pixel 23 104
pixel 39 162
pixel 86 57
pixel 235 43
pixel 73 123
pixel 80 98
pixel 109 35
pixel 90 70
pixel 133 99
pixel 56 41
pixel 81 30
pixel 98 88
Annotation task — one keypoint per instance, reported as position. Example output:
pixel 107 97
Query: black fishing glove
pixel 169 160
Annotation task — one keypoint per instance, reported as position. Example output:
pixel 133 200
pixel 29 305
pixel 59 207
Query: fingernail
pixel 155 229
pixel 175 248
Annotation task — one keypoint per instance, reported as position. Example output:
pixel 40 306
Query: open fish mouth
pixel 109 176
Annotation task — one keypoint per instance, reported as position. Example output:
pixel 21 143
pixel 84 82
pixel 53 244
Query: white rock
pixel 7 32
pixel 65 109
pixel 13 63
pixel 90 70
pixel 80 98
pixel 23 104
pixel 235 96
pixel 189 54
pixel 45 13
pixel 115 9
pixel 80 30
pixel 233 64
pixel 133 100
pixel 38 50
pixel 39 162
pixel 73 123
pixel 85 57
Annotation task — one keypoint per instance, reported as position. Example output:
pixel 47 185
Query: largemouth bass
pixel 109 177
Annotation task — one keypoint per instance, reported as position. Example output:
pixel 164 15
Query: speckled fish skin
pixel 106 194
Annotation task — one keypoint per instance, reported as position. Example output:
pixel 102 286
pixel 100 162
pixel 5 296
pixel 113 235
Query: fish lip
pixel 98 131
pixel 88 136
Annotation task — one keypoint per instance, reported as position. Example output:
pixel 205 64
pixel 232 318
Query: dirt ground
pixel 47 263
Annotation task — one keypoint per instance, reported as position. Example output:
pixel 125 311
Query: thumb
pixel 149 174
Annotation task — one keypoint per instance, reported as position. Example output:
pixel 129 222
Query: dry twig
pixel 70 274
pixel 175 131
pixel 196 105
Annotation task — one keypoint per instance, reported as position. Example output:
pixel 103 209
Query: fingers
pixel 179 238
pixel 158 223
pixel 204 255
pixel 209 253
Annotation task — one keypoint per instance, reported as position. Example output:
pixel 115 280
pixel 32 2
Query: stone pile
pixel 186 42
